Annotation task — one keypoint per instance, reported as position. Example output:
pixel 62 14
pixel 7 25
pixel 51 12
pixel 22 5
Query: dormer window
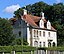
pixel 48 25
pixel 41 23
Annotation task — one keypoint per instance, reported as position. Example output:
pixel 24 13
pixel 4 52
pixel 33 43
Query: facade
pixel 36 30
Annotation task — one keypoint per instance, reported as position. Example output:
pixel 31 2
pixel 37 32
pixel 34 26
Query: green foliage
pixel 18 13
pixel 25 42
pixel 6 48
pixel 52 48
pixel 17 48
pixel 6 34
pixel 56 48
pixel 18 41
pixel 25 48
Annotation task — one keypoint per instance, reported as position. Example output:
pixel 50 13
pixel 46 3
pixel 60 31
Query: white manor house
pixel 36 30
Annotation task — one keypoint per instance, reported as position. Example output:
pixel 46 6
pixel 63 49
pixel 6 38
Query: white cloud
pixel 12 8
pixel 58 1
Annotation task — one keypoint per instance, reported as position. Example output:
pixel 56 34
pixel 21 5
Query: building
pixel 36 30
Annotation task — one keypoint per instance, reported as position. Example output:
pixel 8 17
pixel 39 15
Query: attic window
pixel 41 23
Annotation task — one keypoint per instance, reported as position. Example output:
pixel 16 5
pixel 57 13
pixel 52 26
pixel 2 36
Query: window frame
pixel 43 33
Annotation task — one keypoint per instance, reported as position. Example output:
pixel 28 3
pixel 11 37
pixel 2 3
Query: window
pixel 49 34
pixel 41 23
pixel 37 33
pixel 49 44
pixel 34 33
pixel 19 33
pixel 53 44
pixel 43 33
pixel 43 44
pixel 35 43
pixel 40 33
pixel 40 44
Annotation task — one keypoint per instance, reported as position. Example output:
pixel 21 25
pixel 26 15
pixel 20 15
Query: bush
pixel 6 48
pixel 52 48
pixel 16 48
pixel 19 48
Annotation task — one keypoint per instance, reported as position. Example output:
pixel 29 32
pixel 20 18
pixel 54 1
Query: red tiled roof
pixel 29 20
pixel 52 28
pixel 32 20
pixel 35 18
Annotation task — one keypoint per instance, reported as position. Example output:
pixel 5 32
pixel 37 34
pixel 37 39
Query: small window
pixel 43 33
pixel 40 33
pixel 35 43
pixel 49 44
pixel 34 33
pixel 43 44
pixel 40 44
pixel 53 44
pixel 37 32
pixel 49 34
pixel 41 23
pixel 19 33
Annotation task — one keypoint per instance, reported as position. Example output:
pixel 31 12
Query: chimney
pixel 25 12
pixel 42 15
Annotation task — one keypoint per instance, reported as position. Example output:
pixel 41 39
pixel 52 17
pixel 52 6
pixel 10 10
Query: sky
pixel 7 7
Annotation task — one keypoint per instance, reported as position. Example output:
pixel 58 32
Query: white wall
pixel 53 36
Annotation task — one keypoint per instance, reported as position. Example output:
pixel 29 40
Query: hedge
pixel 24 48
pixel 6 48
pixel 52 48
pixel 27 48
pixel 16 48
pixel 56 48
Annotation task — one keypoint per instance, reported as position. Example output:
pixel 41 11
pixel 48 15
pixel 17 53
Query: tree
pixel 18 13
pixel 60 32
pixel 6 34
